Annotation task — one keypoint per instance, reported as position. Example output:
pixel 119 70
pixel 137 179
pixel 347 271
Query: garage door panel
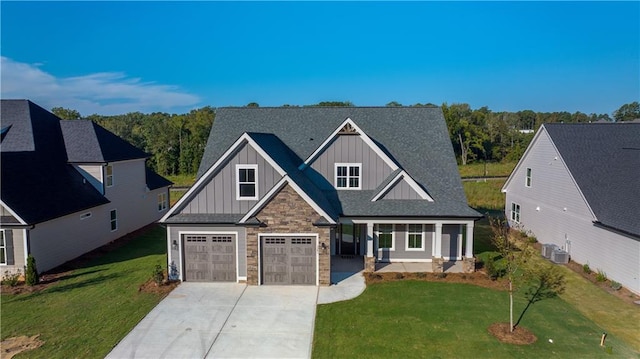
pixel 288 260
pixel 210 257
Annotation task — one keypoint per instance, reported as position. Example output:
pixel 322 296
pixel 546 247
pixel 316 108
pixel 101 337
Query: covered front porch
pixel 404 245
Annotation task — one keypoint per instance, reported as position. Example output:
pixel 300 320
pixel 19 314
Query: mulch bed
pixel 622 293
pixel 16 345
pixel 519 336
pixel 479 278
pixel 152 287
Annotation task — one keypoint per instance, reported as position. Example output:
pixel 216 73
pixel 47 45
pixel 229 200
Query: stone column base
pixel 469 265
pixel 369 264
pixel 437 265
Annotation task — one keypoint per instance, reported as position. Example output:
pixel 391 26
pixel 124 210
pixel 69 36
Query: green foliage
pixel 485 195
pixel 627 112
pixel 11 278
pixel 615 285
pixel 495 268
pixel 586 268
pixel 545 281
pixel 601 276
pixel 66 114
pixel 158 275
pixel 31 273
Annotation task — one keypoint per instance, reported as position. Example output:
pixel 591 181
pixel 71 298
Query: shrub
pixel 615 285
pixel 11 279
pixel 399 276
pixel 158 275
pixel 495 269
pixel 601 276
pixel 421 275
pixel 31 273
pixel 586 268
pixel 441 275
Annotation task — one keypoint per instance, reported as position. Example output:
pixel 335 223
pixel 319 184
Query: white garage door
pixel 288 260
pixel 210 258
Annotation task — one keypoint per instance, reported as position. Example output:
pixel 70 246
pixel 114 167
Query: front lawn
pixel 85 314
pixel 415 319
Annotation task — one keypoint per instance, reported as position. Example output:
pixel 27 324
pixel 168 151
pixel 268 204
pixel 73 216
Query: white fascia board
pixel 12 212
pixel 278 186
pixel 410 181
pixel 364 138
pixel 526 152
pixel 221 161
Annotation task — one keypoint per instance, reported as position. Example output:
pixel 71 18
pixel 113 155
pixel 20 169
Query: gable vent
pixel 348 129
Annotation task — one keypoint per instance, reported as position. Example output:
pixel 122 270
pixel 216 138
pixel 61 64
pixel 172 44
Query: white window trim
pixel 393 236
pixel 107 176
pixel 348 165
pixel 4 246
pixel 527 177
pixel 406 242
pixel 513 217
pixel 162 201
pixel 111 220
pixel 245 166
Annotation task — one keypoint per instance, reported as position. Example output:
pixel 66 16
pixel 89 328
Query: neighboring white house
pixel 68 187
pixel 578 186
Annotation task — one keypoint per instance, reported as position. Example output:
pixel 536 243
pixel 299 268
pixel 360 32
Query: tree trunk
pixel 463 151
pixel 511 306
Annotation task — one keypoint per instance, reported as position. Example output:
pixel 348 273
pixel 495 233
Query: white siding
pixel 93 175
pixel 555 212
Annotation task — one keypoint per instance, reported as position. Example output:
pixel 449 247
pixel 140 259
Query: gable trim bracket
pixel 275 189
pixel 353 130
pixel 412 183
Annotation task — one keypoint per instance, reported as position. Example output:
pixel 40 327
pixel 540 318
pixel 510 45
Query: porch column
pixel 459 245
pixel 370 260
pixel 369 239
pixel 438 240
pixel 469 247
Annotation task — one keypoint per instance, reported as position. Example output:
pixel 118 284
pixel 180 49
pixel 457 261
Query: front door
pixel 350 236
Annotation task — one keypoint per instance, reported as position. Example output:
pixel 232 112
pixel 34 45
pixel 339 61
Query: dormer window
pixel 348 176
pixel 246 182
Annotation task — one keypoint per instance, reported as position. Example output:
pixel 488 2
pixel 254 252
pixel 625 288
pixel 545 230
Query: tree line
pixel 177 141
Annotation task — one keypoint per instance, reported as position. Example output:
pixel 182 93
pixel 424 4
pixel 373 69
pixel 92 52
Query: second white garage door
pixel 288 260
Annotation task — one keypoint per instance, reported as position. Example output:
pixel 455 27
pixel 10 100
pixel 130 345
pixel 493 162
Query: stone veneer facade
pixel 287 212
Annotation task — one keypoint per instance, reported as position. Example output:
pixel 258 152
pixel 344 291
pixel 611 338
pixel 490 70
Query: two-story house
pixel 68 187
pixel 282 190
pixel 577 186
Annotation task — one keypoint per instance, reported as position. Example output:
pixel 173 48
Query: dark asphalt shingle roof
pixel 37 181
pixel 414 137
pixel 191 218
pixel 88 142
pixel 604 160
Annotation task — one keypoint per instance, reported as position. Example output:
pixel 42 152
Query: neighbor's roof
pixel 87 142
pixel 38 183
pixel 604 160
pixel 416 138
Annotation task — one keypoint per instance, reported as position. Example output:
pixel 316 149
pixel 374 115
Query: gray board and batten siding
pixel 218 195
pixel 449 244
pixel 401 190
pixel 352 149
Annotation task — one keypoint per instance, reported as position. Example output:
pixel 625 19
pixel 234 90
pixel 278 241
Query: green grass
pixel 87 313
pixel 447 320
pixel 485 195
pixel 182 180
pixel 175 195
pixel 492 169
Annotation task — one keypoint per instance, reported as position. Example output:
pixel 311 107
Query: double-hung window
pixel 515 212
pixel 414 237
pixel 527 181
pixel 348 176
pixel 109 176
pixel 162 201
pixel 113 219
pixel 3 248
pixel 385 237
pixel 246 182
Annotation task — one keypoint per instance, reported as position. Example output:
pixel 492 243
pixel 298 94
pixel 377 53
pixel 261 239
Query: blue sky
pixel 117 57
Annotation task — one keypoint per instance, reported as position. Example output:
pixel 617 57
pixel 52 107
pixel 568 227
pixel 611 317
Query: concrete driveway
pixel 226 320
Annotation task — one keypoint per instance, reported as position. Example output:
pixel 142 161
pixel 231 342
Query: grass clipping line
pixel 12 346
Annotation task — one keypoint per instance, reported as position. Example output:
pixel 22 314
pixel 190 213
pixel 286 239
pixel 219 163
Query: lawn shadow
pixel 70 286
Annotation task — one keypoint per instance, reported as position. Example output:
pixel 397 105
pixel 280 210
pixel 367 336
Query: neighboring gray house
pixel 281 190
pixel 578 186
pixel 68 187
